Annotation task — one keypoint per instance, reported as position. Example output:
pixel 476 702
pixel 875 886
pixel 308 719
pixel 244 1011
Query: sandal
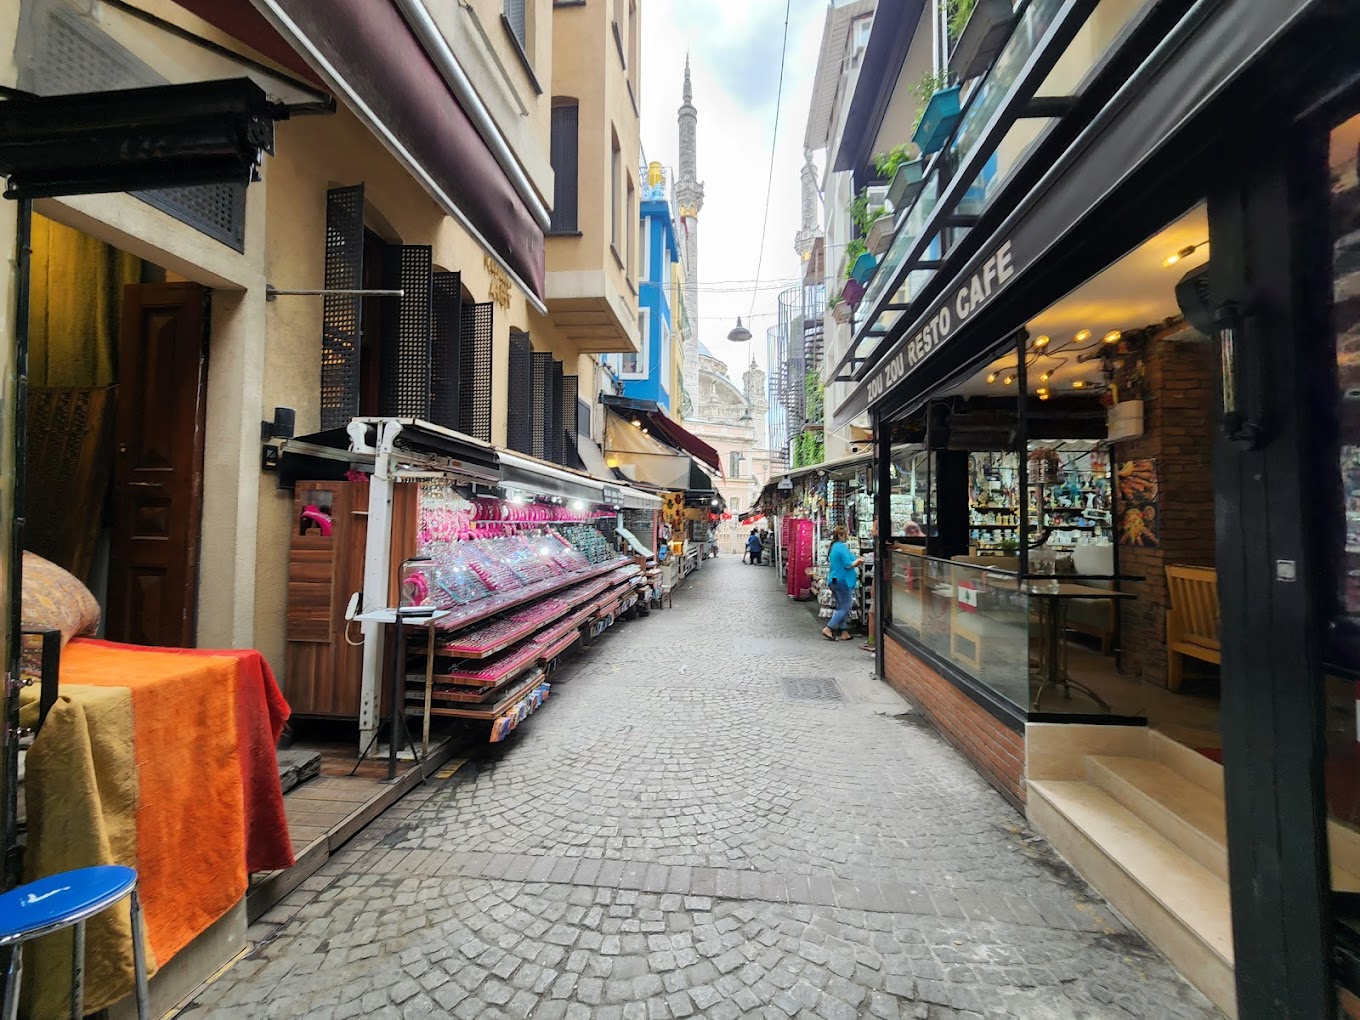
pixel 847 636
pixel 828 635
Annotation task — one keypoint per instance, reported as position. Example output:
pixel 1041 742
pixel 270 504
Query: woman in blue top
pixel 843 580
pixel 753 547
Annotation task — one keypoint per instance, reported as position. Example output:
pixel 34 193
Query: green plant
pixel 853 251
pixel 814 396
pixel 835 301
pixel 808 449
pixel 886 163
pixel 959 12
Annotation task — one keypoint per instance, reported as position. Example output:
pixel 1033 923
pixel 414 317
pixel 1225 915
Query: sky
pixel 734 51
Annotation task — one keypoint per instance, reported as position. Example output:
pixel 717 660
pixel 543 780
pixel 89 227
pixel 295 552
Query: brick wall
pixel 1179 413
pixel 994 748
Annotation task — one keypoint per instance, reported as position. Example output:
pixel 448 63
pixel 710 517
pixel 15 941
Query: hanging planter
pixel 851 293
pixel 863 269
pixel 937 121
pixel 981 39
pixel 841 311
pixel 906 183
pixel 880 234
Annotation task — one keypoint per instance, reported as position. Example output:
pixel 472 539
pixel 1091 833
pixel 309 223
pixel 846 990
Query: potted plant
pixel 859 263
pixel 852 292
pixel 979 29
pixel 880 234
pixel 903 169
pixel 840 310
pixel 936 119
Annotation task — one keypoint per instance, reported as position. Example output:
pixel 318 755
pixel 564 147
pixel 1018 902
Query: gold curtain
pixel 76 299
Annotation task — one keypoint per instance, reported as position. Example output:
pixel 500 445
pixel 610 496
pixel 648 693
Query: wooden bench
pixel 1192 621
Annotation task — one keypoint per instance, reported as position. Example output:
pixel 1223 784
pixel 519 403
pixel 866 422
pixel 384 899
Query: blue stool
pixel 64 901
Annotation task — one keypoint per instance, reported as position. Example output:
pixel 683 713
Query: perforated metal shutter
pixel 340 313
pixel 514 14
pixel 541 406
pixel 405 352
pixel 554 423
pixel 564 148
pixel 446 347
pixel 474 399
pixel 519 429
pixel 571 455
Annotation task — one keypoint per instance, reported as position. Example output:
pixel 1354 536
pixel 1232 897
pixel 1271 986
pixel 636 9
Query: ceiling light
pixel 637 423
pixel 1008 380
pixel 1112 337
pixel 1078 383
pixel 1040 342
pixel 740 334
pixel 1082 336
pixel 1044 377
pixel 1184 253
pixel 1042 392
pixel 991 377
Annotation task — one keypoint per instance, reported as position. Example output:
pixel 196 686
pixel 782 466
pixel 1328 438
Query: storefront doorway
pixel 115 431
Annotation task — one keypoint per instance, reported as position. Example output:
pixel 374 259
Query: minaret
pixel 689 197
pixel 808 233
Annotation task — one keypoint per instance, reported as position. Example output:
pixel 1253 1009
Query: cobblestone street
pixel 694 825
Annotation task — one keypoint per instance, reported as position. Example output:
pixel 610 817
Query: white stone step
pixel 1184 812
pixel 1179 904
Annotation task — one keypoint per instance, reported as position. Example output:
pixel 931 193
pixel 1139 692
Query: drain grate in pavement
pixel 802 688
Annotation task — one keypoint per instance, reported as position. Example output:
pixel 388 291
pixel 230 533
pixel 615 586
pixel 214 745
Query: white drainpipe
pixel 438 48
pixel 377 566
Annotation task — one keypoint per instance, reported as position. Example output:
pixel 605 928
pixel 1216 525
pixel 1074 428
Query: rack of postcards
pixel 523 581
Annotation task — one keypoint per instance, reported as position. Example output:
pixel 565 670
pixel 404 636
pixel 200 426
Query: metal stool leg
pixel 16 967
pixel 78 971
pixel 139 958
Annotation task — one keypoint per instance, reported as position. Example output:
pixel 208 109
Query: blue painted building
pixel 653 373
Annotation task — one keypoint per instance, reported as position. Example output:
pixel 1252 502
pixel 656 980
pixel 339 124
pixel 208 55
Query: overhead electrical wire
pixel 769 182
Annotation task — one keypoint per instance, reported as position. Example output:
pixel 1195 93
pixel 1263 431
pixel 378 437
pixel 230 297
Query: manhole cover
pixel 799 688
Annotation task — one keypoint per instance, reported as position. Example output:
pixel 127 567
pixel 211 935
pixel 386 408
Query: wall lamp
pixel 1241 422
pixel 282 427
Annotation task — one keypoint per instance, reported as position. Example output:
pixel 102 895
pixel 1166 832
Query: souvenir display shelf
pixel 521 582
pixel 1076 510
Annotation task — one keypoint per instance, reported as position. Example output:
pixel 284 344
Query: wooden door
pixel 158 466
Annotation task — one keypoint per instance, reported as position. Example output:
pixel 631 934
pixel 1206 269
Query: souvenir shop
pixel 498 565
pixel 803 508
pixel 1117 573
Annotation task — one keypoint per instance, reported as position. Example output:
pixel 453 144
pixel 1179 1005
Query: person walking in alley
pixel 753 547
pixel 843 579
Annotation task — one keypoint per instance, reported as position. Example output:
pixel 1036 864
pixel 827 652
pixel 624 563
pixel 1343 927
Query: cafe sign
pixel 945 319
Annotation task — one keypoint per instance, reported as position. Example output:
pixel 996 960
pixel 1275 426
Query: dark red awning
pixel 378 56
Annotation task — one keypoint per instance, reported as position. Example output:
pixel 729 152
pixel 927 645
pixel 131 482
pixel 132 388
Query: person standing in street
pixel 753 547
pixel 843 579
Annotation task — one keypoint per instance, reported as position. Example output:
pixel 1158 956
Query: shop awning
pixel 854 460
pixel 372 59
pixel 418 446
pixel 663 427
pixel 540 478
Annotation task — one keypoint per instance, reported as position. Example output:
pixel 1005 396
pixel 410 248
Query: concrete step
pixel 1184 812
pixel 1178 903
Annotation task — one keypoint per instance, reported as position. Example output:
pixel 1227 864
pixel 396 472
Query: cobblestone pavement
pixel 683 831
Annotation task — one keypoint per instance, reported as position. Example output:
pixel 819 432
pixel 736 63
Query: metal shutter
pixel 446 307
pixel 514 14
pixel 474 400
pixel 541 406
pixel 555 412
pixel 571 456
pixel 340 313
pixel 519 427
pixel 405 390
pixel 563 152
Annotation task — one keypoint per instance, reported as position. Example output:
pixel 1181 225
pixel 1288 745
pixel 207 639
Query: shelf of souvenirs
pixel 477 674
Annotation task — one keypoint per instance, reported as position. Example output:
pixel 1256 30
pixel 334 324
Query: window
pixel 734 460
pixel 515 21
pixel 564 152
pixel 631 208
pixel 620 23
pixel 615 171
pixel 644 250
pixel 634 366
pixel 632 61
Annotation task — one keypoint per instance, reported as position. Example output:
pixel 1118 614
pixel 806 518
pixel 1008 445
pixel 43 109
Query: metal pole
pixel 23 243
pixel 1022 442
pixel 270 293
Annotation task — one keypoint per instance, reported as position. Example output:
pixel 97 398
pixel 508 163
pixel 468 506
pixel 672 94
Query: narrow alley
pixel 746 825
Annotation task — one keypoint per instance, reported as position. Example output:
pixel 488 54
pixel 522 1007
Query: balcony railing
pixel 964 178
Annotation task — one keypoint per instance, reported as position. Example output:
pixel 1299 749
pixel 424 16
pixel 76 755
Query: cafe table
pixel 1053 602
